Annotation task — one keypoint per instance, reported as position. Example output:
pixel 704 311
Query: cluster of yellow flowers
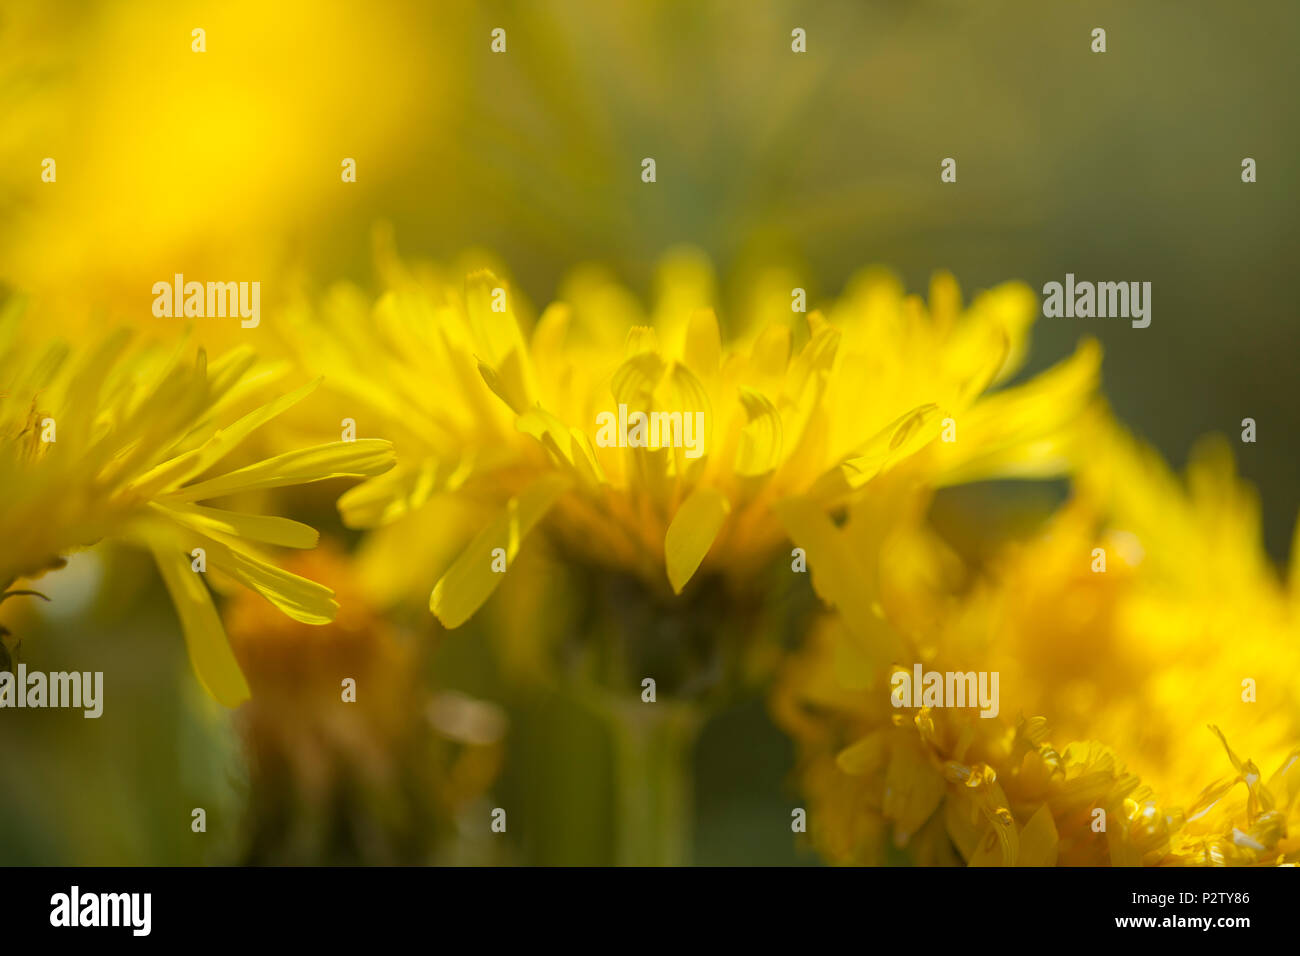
pixel 825 438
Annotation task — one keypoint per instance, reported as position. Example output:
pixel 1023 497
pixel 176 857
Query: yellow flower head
pixel 651 443
pixel 381 780
pixel 1144 623
pixel 121 442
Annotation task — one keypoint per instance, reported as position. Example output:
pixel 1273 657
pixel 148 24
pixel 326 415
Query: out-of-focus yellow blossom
pixel 117 441
pixel 382 777
pixel 220 164
pixel 487 411
pixel 1143 665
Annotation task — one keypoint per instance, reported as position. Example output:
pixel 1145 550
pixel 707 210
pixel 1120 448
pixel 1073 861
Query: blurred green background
pixel 1116 166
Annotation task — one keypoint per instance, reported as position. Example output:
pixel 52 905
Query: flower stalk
pixel 653 748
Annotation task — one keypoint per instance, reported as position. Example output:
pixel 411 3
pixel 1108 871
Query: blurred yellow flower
pixel 114 441
pixel 380 771
pixel 217 164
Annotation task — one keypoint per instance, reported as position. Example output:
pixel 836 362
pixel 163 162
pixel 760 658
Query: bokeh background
pixel 1116 166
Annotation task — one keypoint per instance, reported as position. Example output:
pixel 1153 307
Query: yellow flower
pixel 112 441
pixel 665 562
pixel 385 779
pixel 518 418
pixel 167 160
pixel 1187 626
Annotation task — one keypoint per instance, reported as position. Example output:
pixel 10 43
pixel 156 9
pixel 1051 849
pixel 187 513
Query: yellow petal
pixel 341 459
pixel 506 381
pixel 771 352
pixel 267 529
pixel 210 655
pixel 1038 840
pixel 993 847
pixel 496 334
pixel 550 333
pixel 585 461
pixel 470 580
pixel 759 448
pixel 944 299
pixel 1023 432
pixel 865 756
pixel 682 390
pixel 840 577
pixel 299 598
pixel 702 352
pixel 550 431
pixel 816 357
pixel 641 338
pixel 901 438
pixel 193 463
pixel 570 447
pixel 912 791
pixel 692 532
pixel 229 369
pixel 633 383
pixel 395 493
pixel 684 282
pixel 498 341
pixel 1014 307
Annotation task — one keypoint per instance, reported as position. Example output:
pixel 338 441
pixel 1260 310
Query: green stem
pixel 653 781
